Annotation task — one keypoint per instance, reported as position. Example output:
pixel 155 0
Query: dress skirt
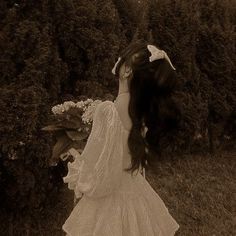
pixel 133 210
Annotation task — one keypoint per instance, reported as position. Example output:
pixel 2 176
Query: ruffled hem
pixel 119 215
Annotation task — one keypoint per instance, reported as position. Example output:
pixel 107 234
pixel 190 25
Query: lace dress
pixel 113 203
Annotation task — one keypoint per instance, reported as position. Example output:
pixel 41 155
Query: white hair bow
pixel 158 54
pixel 114 68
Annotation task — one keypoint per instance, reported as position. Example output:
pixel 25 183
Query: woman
pixel 116 199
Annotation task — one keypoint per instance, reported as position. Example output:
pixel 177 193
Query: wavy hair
pixel 151 103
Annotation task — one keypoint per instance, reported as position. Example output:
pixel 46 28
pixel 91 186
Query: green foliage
pixel 199 38
pixel 48 50
pixel 52 51
pixel 216 59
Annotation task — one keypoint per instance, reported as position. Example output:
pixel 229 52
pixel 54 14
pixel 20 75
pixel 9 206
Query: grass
pixel 199 191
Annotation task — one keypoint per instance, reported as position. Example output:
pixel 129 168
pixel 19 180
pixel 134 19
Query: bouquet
pixel 72 126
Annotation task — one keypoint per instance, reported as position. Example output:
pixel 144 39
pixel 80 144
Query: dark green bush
pixel 52 51
pixel 199 36
pixel 48 54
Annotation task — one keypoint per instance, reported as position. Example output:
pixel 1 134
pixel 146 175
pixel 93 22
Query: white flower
pixel 58 109
pixel 87 116
pixel 68 104
pixel 88 101
pixel 79 104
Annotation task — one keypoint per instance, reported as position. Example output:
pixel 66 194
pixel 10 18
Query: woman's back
pixel 121 104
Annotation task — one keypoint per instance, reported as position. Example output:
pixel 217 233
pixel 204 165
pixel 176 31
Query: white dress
pixel 113 203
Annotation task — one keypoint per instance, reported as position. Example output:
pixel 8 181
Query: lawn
pixel 199 191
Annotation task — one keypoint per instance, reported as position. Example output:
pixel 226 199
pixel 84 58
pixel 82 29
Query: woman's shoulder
pixel 105 108
pixel 105 105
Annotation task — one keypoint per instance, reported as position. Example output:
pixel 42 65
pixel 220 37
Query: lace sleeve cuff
pixel 74 170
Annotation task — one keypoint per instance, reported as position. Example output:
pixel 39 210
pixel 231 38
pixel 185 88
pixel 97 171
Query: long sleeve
pixel 98 170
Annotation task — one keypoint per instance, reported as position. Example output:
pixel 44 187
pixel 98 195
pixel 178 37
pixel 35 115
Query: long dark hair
pixel 151 103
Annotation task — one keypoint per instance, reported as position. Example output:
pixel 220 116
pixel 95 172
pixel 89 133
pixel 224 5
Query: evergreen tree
pixel 175 26
pixel 128 17
pixel 48 50
pixel 216 59
pixel 199 37
pixel 52 50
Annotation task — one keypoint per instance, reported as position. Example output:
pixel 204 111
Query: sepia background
pixel 53 51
